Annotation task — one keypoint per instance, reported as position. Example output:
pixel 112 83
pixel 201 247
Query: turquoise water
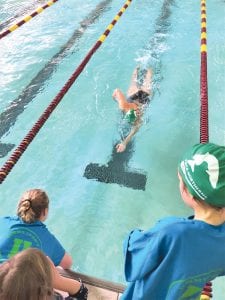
pixel 89 217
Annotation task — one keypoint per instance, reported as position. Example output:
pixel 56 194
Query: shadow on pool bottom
pixel 117 170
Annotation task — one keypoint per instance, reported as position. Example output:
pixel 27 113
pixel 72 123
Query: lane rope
pixel 10 163
pixel 207 291
pixel 204 132
pixel 19 13
pixel 26 19
pixel 16 107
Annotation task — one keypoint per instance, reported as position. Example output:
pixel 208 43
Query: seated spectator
pixel 31 275
pixel 178 256
pixel 27 229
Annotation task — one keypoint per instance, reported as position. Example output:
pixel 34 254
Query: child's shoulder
pixel 177 226
pixel 172 221
pixel 173 225
pixel 10 219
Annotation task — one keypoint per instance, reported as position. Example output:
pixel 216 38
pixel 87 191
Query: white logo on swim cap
pixel 213 166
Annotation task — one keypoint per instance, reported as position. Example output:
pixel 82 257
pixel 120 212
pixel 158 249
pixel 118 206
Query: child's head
pixel 27 275
pixel 202 170
pixel 32 205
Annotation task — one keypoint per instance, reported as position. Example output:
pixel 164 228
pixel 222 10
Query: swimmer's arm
pixel 122 146
pixel 124 105
pixel 118 95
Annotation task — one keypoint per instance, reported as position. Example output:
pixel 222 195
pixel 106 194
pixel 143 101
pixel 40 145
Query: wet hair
pixel 27 275
pixel 32 204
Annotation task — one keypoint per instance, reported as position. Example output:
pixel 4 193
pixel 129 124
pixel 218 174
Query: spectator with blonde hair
pixel 27 229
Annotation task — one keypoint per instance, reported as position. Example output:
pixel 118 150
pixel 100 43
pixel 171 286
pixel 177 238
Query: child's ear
pixel 183 189
pixel 181 183
pixel 45 212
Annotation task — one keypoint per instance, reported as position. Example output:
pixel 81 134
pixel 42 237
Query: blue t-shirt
pixel 16 235
pixel 173 260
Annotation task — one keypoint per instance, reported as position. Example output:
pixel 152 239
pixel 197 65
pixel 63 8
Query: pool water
pixel 91 218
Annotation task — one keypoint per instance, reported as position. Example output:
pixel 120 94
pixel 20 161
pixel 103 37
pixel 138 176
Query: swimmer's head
pixel 131 116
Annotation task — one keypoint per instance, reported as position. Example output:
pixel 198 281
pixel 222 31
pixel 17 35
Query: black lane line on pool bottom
pixel 116 170
pixel 9 116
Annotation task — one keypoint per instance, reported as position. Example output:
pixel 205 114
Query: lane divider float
pixel 204 131
pixel 26 19
pixel 17 153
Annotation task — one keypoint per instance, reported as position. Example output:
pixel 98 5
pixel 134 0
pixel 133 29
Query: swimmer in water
pixel 134 104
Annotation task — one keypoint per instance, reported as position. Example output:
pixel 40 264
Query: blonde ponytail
pixel 32 204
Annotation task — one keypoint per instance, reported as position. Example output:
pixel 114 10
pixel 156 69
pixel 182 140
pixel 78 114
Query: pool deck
pixel 98 289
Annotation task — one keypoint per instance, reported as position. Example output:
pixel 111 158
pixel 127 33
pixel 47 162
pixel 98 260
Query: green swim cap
pixel 203 172
pixel 131 116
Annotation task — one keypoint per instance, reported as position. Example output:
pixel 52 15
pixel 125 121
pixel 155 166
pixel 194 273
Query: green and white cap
pixel 203 172
pixel 131 116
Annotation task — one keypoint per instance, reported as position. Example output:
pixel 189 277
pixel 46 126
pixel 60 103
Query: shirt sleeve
pixel 57 252
pixel 143 250
pixel 141 255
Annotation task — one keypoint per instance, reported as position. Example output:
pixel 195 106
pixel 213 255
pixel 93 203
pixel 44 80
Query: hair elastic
pixel 30 202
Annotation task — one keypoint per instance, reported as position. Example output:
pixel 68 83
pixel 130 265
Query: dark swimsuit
pixel 140 96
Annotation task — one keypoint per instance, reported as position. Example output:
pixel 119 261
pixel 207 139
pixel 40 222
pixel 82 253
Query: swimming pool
pixel 92 218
